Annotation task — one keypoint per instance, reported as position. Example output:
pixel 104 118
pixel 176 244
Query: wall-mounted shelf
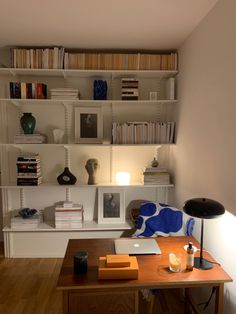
pixel 44 102
pixel 56 185
pixel 87 226
pixel 87 73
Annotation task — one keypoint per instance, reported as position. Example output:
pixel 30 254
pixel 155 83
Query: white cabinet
pixel 51 114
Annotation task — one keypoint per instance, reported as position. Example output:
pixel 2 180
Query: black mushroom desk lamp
pixel 203 208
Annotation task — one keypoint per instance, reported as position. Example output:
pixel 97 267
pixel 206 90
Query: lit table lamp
pixel 203 208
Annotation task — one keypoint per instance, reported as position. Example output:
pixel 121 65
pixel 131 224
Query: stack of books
pixel 18 222
pixel 69 215
pixel 64 93
pixel 28 170
pixel 155 175
pixel 129 88
pixel 29 139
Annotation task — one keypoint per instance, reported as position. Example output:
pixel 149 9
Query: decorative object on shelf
pixel 111 205
pixel 155 163
pixel 80 262
pixel 28 122
pixel 66 177
pixel 99 90
pixel 27 212
pixel 203 208
pixel 123 178
pixel 58 135
pixel 91 167
pixel 88 125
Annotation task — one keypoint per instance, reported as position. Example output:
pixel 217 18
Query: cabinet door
pixel 110 302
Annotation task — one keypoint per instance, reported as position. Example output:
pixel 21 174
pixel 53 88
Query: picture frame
pixel 111 205
pixel 88 125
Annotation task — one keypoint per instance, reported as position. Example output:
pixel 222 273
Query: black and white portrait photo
pixel 111 205
pixel 88 125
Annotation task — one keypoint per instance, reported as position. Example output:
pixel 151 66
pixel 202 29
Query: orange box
pixel 129 272
pixel 117 260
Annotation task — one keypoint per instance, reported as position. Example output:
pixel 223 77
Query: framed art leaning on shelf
pixel 88 125
pixel 111 205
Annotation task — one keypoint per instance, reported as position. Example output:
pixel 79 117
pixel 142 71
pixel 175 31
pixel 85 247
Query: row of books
pixel 28 170
pixel 155 175
pixel 24 90
pixel 37 58
pixel 30 138
pixel 68 215
pixel 143 133
pixel 57 58
pixel 129 89
pixel 121 61
pixel 64 93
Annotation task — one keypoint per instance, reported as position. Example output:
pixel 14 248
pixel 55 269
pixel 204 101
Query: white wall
pixel 205 155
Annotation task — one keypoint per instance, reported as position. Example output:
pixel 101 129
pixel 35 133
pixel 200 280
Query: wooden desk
pixel 86 294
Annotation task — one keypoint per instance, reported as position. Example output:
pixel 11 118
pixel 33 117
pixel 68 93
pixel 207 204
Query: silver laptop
pixel 136 246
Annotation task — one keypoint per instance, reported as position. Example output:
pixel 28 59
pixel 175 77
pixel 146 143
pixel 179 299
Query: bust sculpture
pixel 91 167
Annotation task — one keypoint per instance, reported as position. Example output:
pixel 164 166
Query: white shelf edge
pixel 76 186
pixel 87 73
pixel 89 144
pixel 92 101
pixel 87 226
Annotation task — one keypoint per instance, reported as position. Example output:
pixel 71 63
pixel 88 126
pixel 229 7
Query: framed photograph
pixel 88 125
pixel 111 205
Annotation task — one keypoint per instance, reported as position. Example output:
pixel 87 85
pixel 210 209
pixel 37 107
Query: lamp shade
pixel 203 208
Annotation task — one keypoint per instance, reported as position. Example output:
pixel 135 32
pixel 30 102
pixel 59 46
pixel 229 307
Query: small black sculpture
pixel 66 177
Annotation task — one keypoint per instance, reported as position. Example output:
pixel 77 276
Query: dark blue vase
pixel 99 90
pixel 27 123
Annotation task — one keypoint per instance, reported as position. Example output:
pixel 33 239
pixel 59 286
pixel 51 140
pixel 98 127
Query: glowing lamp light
pixel 122 178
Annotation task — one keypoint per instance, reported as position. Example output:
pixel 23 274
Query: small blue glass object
pixel 99 90
pixel 27 212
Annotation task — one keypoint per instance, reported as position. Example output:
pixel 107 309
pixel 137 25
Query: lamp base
pixel 203 264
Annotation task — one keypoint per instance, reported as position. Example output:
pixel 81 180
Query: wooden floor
pixel 27 286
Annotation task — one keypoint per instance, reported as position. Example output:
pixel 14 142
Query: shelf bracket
pixel 22 198
pixel 67 156
pixel 68 194
pixel 13 73
pixel 64 74
pixel 67 126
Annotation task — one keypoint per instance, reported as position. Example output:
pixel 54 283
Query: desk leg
pixel 219 300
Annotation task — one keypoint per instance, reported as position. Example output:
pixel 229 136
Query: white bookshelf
pixel 46 240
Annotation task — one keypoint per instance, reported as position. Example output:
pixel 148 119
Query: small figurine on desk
pixel 91 167
pixel 154 163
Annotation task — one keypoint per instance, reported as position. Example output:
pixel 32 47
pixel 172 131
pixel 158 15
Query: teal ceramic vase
pixel 28 122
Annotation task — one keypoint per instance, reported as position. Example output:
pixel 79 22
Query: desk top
pixel 153 269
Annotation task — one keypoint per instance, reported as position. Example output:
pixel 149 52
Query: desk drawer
pixel 110 302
